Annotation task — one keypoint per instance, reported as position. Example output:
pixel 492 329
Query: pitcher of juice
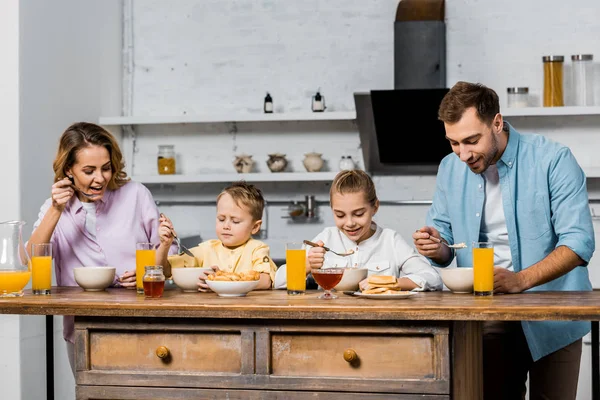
pixel 15 270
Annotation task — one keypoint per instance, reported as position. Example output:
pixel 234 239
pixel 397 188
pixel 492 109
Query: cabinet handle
pixel 162 352
pixel 350 355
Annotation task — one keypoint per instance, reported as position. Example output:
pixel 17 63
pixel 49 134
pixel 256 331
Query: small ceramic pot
pixel 346 163
pixel 313 162
pixel 243 163
pixel 277 162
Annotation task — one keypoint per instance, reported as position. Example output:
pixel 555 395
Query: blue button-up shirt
pixel 545 204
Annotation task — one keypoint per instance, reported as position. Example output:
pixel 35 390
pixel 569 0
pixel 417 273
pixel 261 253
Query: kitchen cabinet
pixel 130 125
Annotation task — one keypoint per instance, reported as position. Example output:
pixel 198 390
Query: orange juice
pixel 143 258
pixel 12 282
pixel 295 261
pixel 483 271
pixel 41 271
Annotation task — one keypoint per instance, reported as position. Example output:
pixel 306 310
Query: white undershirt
pixel 90 217
pixel 493 223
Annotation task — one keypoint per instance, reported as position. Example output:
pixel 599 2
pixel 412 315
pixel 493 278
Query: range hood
pixel 399 131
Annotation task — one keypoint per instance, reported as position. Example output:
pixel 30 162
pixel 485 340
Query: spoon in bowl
pixel 349 252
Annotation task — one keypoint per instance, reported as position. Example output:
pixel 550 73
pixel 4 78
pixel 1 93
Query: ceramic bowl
pixel 458 280
pixel 351 279
pixel 94 279
pixel 232 288
pixel 187 278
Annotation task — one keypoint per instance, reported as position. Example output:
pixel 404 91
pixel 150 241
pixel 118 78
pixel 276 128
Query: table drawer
pixel 189 352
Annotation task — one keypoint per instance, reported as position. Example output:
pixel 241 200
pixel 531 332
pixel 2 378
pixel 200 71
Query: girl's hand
pixel 127 280
pixel 165 230
pixel 202 286
pixel 316 257
pixel 61 194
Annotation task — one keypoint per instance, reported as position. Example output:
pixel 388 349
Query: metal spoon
pixel 328 249
pixel 79 190
pixel 452 246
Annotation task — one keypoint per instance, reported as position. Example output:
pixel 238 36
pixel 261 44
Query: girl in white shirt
pixel 383 251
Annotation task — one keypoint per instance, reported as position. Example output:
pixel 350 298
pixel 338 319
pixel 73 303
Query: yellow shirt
pixel 251 256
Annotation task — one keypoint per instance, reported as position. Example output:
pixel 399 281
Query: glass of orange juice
pixel 295 264
pixel 483 268
pixel 145 254
pixel 41 268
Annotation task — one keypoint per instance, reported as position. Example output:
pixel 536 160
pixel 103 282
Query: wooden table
pixel 269 345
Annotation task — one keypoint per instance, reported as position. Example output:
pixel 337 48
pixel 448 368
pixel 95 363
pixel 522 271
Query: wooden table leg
pixel 595 361
pixel 467 360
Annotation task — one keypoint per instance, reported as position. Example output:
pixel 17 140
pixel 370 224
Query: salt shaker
pixel 346 163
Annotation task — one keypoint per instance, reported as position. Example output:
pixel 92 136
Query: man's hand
pixel 506 281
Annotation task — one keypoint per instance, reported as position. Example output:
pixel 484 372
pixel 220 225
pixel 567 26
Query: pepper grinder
pixel 268 107
pixel 318 102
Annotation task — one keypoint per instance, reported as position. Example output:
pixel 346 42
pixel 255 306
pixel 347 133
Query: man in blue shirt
pixel 527 195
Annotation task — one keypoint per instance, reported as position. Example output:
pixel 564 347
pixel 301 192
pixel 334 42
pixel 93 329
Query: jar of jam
pixel 154 281
pixel 166 159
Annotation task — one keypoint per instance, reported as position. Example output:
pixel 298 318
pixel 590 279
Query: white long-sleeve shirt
pixel 384 253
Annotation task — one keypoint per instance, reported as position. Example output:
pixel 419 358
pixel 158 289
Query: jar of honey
pixel 166 159
pixel 553 81
pixel 154 281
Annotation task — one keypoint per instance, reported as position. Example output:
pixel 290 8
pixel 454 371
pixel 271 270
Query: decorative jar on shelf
pixel 346 163
pixel 243 163
pixel 277 162
pixel 313 162
pixel 166 159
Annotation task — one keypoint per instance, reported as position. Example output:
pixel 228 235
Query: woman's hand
pixel 315 257
pixel 127 280
pixel 202 286
pixel 165 230
pixel 61 194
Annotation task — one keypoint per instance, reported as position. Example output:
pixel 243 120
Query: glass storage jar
pixel 553 81
pixel 517 97
pixel 166 159
pixel 582 79
pixel 15 265
pixel 154 281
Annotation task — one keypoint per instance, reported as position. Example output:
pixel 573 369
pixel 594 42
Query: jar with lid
pixel 346 163
pixel 517 97
pixel 553 81
pixel 582 79
pixel 154 281
pixel 166 159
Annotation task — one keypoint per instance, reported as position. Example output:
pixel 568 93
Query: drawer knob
pixel 162 352
pixel 350 355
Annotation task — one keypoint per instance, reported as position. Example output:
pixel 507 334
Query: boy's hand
pixel 316 256
pixel 127 280
pixel 165 230
pixel 202 286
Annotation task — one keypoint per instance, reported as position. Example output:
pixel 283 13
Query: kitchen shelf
pixel 240 117
pixel 231 177
pixel 549 111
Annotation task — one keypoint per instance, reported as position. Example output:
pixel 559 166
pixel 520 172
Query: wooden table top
pixel 276 304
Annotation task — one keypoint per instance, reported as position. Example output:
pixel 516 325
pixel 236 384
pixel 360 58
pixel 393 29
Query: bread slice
pixel 381 280
pixel 375 290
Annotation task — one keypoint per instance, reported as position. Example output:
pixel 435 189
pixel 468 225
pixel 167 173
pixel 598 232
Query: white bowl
pixel 94 279
pixel 232 288
pixel 351 279
pixel 458 280
pixel 187 278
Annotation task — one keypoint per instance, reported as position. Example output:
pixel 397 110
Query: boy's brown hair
pixel 247 195
pixel 464 95
pixel 354 181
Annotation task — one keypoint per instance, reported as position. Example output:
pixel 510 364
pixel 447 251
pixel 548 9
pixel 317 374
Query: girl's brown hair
pixel 85 134
pixel 354 181
pixel 247 195
pixel 465 95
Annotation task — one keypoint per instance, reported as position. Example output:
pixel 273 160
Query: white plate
pixel 385 296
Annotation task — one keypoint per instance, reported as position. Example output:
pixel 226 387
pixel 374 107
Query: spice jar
pixel 516 97
pixel 166 159
pixel 553 81
pixel 582 70
pixel 154 281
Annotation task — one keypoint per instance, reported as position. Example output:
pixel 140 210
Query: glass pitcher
pixel 15 270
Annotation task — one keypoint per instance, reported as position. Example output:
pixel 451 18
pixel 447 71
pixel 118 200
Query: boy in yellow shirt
pixel 239 216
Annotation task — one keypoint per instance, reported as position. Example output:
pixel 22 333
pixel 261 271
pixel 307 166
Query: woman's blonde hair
pixel 85 134
pixel 354 181
pixel 247 195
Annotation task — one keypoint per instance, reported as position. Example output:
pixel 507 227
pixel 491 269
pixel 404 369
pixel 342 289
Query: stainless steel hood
pixel 399 131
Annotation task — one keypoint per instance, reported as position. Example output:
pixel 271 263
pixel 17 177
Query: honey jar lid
pixel 553 58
